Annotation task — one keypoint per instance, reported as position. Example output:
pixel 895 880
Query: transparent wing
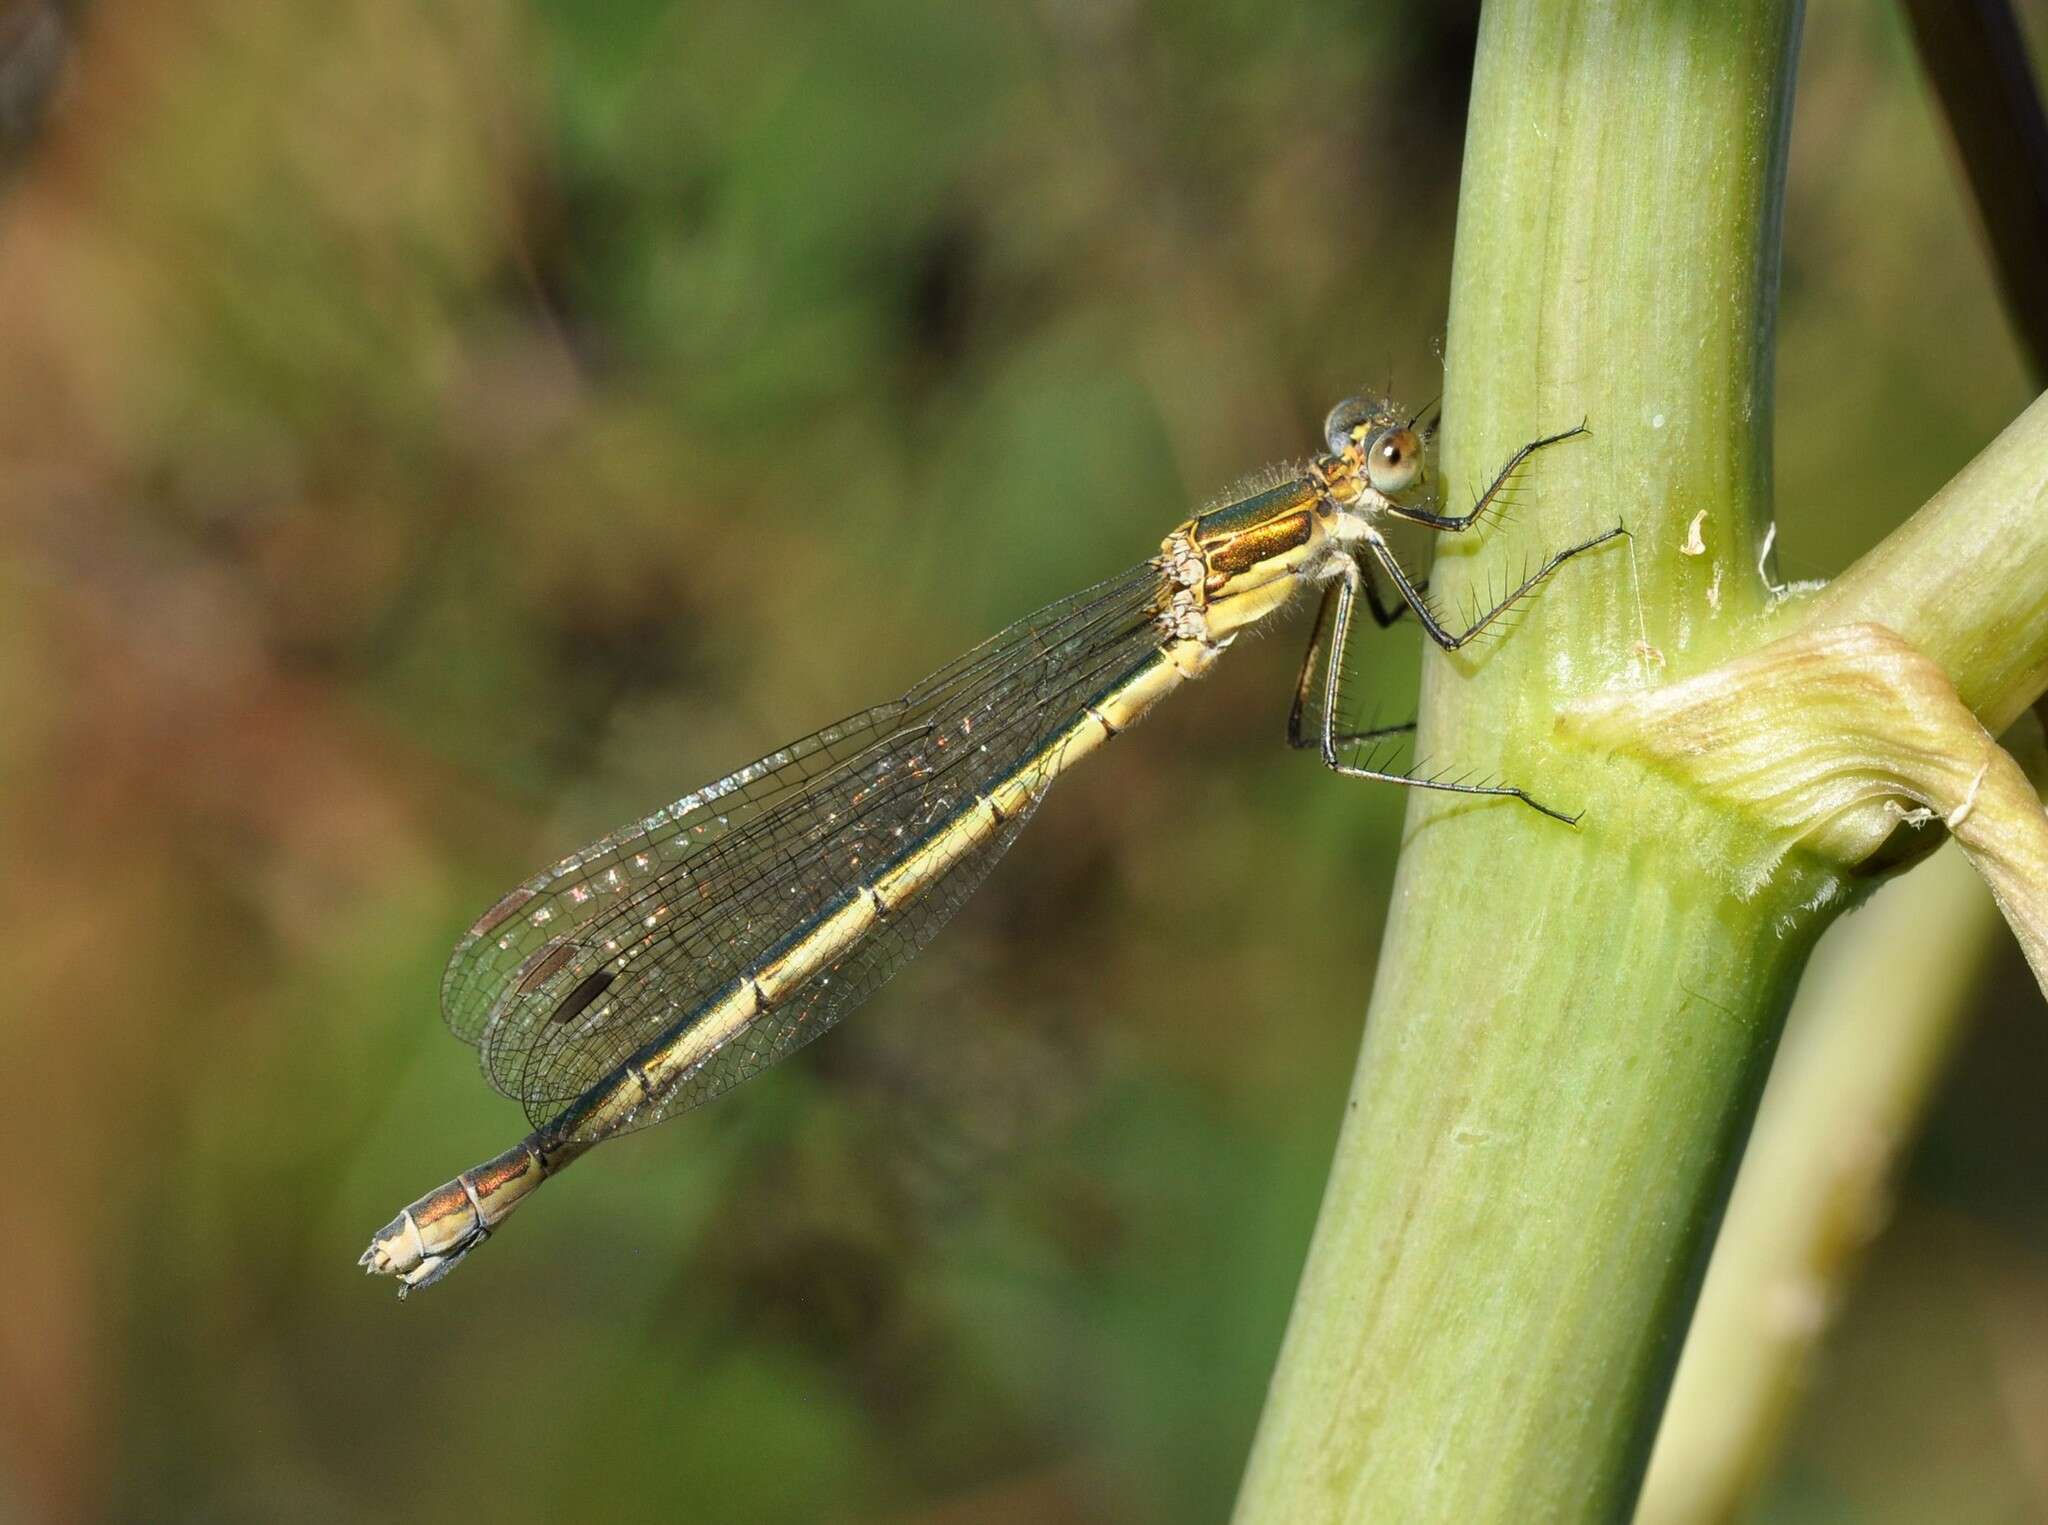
pixel 838 990
pixel 568 975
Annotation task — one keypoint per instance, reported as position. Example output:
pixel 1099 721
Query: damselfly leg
pixel 1382 616
pixel 1308 684
pixel 1486 500
pixel 1333 626
pixel 1451 641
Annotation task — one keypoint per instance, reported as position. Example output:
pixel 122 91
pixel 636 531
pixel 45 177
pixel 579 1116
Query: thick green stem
pixel 1569 1027
pixel 1876 1019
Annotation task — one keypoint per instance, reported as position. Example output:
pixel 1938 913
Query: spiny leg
pixel 1381 615
pixel 1412 591
pixel 1333 655
pixel 1337 603
pixel 1478 510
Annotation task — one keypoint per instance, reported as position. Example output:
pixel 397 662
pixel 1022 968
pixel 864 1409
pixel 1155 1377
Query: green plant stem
pixel 1569 1027
pixel 1966 579
pixel 1876 1019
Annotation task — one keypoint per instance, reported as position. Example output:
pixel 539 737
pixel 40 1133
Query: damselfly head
pixel 1371 436
pixel 1357 419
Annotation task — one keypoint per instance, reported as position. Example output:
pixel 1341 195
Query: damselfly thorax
pixel 689 950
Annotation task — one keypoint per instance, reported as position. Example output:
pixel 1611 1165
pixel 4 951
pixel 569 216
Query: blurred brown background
pixel 430 434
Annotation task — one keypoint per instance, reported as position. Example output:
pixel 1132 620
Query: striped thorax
pixel 1236 564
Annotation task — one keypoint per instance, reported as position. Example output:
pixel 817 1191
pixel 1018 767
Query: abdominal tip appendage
pixel 393 1252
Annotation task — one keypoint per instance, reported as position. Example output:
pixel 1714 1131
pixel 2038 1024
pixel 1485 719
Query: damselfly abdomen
pixel 689 950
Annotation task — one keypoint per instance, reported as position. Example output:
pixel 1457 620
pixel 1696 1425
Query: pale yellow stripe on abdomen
pixel 733 1010
pixel 1117 710
pixel 746 998
pixel 768 984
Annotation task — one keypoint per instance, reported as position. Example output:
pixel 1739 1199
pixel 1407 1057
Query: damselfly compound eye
pixel 1394 460
pixel 1355 419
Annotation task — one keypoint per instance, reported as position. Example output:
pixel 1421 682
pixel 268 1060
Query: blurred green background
pixel 430 434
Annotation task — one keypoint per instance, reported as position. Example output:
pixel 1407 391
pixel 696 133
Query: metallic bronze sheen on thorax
pixel 1220 525
pixel 1267 541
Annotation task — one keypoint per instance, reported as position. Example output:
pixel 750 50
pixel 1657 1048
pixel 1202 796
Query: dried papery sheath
pixel 1818 736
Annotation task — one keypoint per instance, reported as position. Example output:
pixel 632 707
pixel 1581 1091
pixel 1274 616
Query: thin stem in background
pixel 1976 60
pixel 1880 1012
pixel 35 38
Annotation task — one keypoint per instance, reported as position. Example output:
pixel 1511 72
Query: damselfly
pixel 687 951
